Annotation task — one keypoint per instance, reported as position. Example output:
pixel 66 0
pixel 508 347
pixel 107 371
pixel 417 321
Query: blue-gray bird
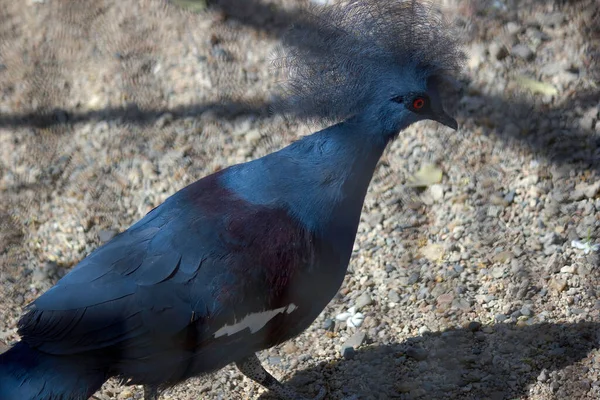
pixel 246 258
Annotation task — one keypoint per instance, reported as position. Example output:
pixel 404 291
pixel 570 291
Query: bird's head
pixel 404 101
pixel 378 61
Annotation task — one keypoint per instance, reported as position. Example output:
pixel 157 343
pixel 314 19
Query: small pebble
pixel 569 269
pixel 328 324
pixel 417 353
pixel 500 317
pixel 522 51
pixel 498 51
pixel 290 348
pixel 363 300
pixel 106 235
pixel 526 311
pixel 354 341
pixel 393 296
pixel 274 360
pixel 437 192
pixel 474 326
pixel 348 353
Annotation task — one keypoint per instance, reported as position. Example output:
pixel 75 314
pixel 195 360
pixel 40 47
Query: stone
pixel 498 272
pixel 437 192
pixel 512 28
pixel 509 197
pixel 461 304
pixel 348 353
pixel 328 324
pixel 363 300
pixel 252 136
pixel 126 394
pixel 417 353
pixel 474 326
pixel 393 296
pixel 552 20
pixel 558 284
pixel 353 342
pixel 41 276
pixel 553 264
pixel 445 299
pixel 538 36
pixel 589 190
pixel 433 252
pixel 494 211
pixel 526 311
pixel 423 330
pixel 275 360
pixel 569 269
pixel 498 51
pixel 522 51
pixel 290 348
pixel 477 55
pixel 413 278
pixel 106 235
pixel 404 387
pixel 590 118
pixel 500 317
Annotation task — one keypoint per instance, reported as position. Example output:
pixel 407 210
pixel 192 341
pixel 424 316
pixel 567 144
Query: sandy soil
pixel 471 288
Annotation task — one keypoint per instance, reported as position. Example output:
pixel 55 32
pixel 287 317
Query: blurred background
pixel 475 265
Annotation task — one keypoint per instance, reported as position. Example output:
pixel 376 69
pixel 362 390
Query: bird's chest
pixel 308 293
pixel 281 301
pixel 281 275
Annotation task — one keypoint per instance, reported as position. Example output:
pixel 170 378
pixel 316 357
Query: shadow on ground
pixel 540 129
pixel 131 114
pixel 464 364
pixel 512 119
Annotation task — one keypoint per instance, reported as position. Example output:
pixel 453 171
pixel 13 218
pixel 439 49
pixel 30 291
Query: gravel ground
pixel 471 287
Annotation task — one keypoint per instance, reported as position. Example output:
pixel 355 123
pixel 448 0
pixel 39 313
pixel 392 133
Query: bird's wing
pixel 200 256
pixel 130 286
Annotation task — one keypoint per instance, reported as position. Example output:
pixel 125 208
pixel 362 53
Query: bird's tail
pixel 28 374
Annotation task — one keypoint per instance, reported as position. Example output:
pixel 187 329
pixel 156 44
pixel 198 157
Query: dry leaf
pixel 428 175
pixel 536 86
pixel 191 5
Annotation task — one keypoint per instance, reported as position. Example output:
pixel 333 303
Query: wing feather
pixel 199 261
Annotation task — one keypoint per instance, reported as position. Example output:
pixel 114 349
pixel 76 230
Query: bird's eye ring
pixel 418 103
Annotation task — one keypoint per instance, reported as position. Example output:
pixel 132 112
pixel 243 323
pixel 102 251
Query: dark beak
pixel 447 120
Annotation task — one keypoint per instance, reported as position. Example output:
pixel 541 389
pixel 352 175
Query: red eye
pixel 418 103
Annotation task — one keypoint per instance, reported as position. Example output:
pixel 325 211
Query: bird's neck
pixel 321 179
